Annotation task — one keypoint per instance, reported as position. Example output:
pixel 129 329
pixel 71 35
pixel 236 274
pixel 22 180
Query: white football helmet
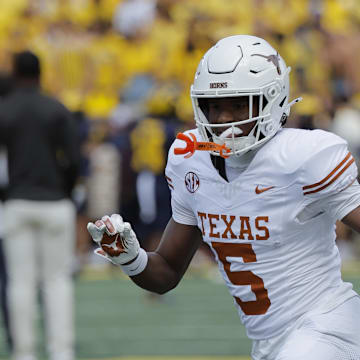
pixel 243 65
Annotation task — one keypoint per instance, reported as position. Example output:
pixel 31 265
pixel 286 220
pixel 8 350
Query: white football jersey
pixel 277 260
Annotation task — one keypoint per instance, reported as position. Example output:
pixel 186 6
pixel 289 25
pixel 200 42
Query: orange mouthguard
pixel 192 145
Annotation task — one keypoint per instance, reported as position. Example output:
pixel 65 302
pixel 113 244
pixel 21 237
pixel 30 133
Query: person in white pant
pixel 39 247
pixel 39 218
pixel 265 199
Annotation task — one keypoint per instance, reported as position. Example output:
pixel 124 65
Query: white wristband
pixel 138 265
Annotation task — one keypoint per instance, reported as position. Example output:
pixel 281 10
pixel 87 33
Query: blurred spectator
pixel 5 89
pixel 104 167
pixel 126 117
pixel 80 192
pixel 134 16
pixel 150 142
pixel 346 123
pixel 104 181
pixel 3 268
pixel 39 218
pixel 6 85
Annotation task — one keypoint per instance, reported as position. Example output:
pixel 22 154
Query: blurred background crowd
pixel 124 69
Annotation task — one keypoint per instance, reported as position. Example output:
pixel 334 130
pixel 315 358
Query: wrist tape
pixel 138 265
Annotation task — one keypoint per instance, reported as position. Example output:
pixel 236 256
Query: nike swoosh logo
pixel 259 191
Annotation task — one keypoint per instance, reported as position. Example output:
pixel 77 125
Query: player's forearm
pixel 158 276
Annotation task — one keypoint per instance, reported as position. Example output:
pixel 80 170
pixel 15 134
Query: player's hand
pixel 116 239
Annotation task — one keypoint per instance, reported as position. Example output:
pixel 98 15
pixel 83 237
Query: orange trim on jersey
pixel 169 182
pixel 192 144
pixel 332 180
pixel 329 176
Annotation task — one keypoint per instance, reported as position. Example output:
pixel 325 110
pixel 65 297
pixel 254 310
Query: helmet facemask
pixel 233 134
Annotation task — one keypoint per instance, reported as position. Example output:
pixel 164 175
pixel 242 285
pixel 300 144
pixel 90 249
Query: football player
pixel 265 199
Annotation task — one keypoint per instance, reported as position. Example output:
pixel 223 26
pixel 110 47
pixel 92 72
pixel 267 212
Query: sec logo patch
pixel 192 182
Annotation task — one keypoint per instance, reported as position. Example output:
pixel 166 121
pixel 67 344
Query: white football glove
pixel 116 239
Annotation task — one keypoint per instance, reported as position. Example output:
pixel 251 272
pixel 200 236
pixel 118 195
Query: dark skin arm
pixel 168 263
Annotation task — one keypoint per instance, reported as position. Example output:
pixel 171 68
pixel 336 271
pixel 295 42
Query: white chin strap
pixel 234 143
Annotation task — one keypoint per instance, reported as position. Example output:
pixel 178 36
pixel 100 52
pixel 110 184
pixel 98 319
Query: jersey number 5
pixel 245 251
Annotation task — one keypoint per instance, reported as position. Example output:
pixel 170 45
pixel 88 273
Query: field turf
pixel 117 320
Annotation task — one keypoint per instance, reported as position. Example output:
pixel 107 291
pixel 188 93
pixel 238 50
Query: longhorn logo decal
pixel 272 58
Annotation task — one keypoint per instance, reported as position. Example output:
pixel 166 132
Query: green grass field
pixel 115 319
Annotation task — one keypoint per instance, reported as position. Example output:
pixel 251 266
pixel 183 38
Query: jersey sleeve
pixel 328 171
pixel 343 202
pixel 337 205
pixel 182 212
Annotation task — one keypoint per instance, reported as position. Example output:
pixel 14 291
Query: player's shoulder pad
pixel 328 166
